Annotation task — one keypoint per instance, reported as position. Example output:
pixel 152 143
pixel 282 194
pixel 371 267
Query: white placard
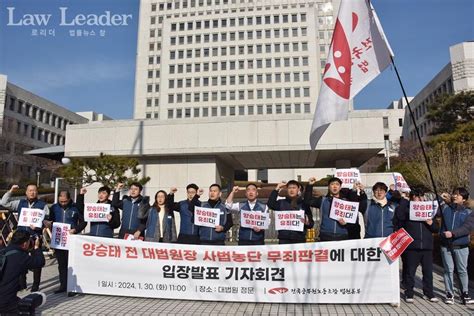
pixel 60 236
pixel 208 217
pixel 289 220
pixel 348 177
pixel 423 210
pixel 347 210
pixel 96 212
pixel 31 216
pixel 400 183
pixel 350 272
pixel 251 219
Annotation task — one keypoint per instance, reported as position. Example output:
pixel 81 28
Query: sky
pixel 97 72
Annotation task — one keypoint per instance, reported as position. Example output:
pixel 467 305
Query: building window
pixel 269 108
pixel 307 108
pixel 385 122
pixel 400 122
pixel 297 108
pixel 250 110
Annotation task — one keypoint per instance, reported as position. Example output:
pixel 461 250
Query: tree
pixel 448 111
pixel 105 169
pixel 450 149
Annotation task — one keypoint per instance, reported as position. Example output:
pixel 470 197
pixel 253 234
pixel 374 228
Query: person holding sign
pixel 419 251
pixel 105 228
pixel 459 219
pixel 129 205
pixel 160 225
pixel 188 232
pixel 67 212
pixel 295 214
pixel 254 235
pixel 336 229
pixel 31 202
pixel 213 235
pixel 379 214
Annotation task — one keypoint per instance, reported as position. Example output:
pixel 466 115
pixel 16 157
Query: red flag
pixel 394 245
pixel 358 53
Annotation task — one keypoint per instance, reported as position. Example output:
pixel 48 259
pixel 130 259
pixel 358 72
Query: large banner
pixel 353 271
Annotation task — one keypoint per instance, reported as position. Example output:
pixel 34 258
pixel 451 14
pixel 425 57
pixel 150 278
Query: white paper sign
pixel 335 272
pixel 400 183
pixel 348 177
pixel 208 217
pixel 60 236
pixel 423 210
pixel 251 219
pixel 289 220
pixel 96 212
pixel 349 211
pixel 31 216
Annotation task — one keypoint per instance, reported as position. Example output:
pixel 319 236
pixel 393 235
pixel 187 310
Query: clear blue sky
pixel 97 73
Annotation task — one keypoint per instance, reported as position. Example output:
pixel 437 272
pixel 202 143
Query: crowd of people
pixel 154 221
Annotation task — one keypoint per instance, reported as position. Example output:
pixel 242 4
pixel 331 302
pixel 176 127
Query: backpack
pixel 3 260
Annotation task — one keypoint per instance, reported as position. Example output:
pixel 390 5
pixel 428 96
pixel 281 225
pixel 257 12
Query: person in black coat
pixel 419 251
pixel 18 262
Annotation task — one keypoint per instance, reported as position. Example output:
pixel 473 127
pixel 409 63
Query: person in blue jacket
pixel 254 235
pixel 65 211
pixel 292 202
pixel 159 223
pixel 214 235
pixel 101 229
pixel 188 232
pixel 130 205
pixel 379 213
pixel 30 201
pixel 331 229
pixel 457 226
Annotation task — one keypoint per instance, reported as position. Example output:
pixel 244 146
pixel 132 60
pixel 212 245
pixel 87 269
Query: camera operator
pixel 23 253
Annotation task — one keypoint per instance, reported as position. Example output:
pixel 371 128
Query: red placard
pixel 395 244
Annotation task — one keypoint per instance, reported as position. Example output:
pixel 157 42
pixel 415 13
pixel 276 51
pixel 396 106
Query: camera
pixel 28 304
pixel 31 243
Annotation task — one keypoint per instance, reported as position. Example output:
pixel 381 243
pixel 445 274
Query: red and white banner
pixel 208 217
pixel 395 244
pixel 349 177
pixel 31 216
pixel 96 212
pixel 60 236
pixel 252 219
pixel 289 220
pixel 351 272
pixel 349 211
pixel 423 210
pixel 400 183
pixel 359 52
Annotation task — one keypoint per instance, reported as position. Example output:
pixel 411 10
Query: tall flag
pixel 359 52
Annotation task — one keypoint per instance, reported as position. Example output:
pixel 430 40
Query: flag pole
pixel 412 116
